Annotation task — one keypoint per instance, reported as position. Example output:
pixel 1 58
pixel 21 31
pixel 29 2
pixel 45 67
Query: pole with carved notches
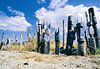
pixel 70 36
pixel 94 22
pixel 91 39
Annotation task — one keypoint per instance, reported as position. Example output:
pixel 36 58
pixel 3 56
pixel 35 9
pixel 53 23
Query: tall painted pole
pixel 63 36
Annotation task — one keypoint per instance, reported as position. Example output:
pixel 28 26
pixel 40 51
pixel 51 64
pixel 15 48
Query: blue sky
pixel 28 12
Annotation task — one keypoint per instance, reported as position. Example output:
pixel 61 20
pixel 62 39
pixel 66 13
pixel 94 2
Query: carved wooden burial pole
pixel 12 39
pixel 45 31
pixel 21 40
pixel 91 39
pixel 2 41
pixel 16 41
pixel 34 42
pixel 8 42
pixel 47 50
pixel 94 22
pixel 70 36
pixel 49 37
pixel 80 38
pixel 63 48
pixel 42 30
pixel 63 36
pixel 38 36
pixel 57 40
pixel 29 38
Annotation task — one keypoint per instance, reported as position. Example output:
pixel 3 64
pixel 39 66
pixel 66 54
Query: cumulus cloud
pixel 62 11
pixel 13 23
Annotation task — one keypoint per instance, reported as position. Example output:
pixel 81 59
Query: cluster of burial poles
pixel 6 43
pixel 74 32
pixel 92 41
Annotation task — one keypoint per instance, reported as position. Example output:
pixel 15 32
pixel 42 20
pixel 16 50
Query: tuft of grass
pixel 38 59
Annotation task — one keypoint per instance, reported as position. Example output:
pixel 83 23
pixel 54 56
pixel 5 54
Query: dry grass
pixel 39 57
pixel 52 47
pixel 76 45
pixel 24 47
pixel 33 46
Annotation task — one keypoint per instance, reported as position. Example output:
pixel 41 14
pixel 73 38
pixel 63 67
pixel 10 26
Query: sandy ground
pixel 31 60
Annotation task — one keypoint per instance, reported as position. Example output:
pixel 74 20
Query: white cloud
pixel 56 17
pixel 16 12
pixel 40 1
pixel 13 23
pixel 57 3
pixel 60 13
